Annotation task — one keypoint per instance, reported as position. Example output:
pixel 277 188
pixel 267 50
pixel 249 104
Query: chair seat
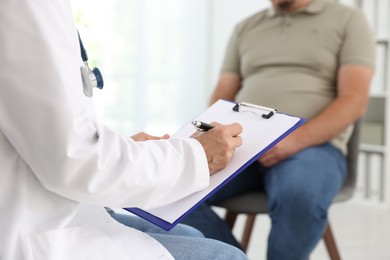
pixel 256 202
pixel 248 203
pixel 345 193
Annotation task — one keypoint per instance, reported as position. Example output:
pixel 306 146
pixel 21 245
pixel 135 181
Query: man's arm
pixel 227 87
pixel 350 104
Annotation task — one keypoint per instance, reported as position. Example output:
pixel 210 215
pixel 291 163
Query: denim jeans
pixel 183 242
pixel 300 190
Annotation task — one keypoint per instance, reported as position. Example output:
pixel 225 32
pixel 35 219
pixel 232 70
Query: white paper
pixel 361 183
pixel 258 133
pixel 375 169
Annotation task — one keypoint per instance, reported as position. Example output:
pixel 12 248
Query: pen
pixel 202 126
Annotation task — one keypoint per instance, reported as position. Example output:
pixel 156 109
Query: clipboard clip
pixel 246 107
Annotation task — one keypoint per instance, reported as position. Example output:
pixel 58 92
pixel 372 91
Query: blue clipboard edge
pixel 168 226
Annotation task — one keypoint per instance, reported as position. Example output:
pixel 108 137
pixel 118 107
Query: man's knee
pixel 298 203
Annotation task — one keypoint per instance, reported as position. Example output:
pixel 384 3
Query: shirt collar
pixel 315 6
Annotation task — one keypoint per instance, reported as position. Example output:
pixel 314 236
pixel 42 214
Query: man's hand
pixel 142 136
pixel 219 144
pixel 290 145
pixel 282 150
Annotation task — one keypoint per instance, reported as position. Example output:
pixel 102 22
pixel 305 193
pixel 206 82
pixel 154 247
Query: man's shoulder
pixel 341 8
pixel 342 13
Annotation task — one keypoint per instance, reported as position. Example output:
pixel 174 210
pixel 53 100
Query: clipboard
pixel 262 128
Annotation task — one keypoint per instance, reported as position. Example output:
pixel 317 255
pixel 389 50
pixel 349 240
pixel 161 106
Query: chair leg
pixel 230 218
pixel 331 243
pixel 250 222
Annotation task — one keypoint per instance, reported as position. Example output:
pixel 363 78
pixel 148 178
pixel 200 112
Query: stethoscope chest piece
pixel 90 78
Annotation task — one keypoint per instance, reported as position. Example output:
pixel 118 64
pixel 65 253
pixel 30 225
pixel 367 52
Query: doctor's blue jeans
pixel 183 242
pixel 300 191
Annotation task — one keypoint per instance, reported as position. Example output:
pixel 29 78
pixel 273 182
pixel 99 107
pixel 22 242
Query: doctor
pixel 59 166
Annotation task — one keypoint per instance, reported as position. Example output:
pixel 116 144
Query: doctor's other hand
pixel 142 136
pixel 219 144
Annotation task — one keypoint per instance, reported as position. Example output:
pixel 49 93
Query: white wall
pixel 153 55
pixel 225 14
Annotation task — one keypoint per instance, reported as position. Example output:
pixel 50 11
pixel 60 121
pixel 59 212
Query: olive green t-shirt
pixel 290 61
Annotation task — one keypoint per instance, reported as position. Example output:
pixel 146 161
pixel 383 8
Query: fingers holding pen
pixel 235 130
pixel 230 133
pixel 219 144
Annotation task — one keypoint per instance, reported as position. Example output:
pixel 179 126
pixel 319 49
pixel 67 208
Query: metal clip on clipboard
pixel 240 107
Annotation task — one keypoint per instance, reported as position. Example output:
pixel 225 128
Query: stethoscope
pixel 91 78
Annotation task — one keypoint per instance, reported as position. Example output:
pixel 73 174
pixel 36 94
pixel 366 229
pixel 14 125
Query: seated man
pixel 309 58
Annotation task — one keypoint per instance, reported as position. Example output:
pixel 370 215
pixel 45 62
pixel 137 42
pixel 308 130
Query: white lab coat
pixel 58 166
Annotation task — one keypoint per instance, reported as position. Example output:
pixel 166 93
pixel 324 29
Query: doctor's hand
pixel 142 136
pixel 219 144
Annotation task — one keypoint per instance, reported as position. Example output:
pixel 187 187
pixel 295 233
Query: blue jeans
pixel 183 242
pixel 300 190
